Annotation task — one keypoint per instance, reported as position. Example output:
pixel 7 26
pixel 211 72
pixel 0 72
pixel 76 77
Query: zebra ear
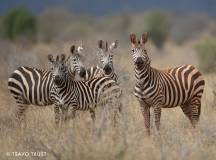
pixel 72 49
pixel 133 38
pixel 63 57
pixel 100 44
pixel 80 48
pixel 106 47
pixel 57 58
pixel 113 45
pixel 144 38
pixel 50 58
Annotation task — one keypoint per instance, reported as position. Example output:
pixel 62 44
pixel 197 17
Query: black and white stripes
pixel 32 86
pixel 105 54
pixel 78 95
pixel 181 86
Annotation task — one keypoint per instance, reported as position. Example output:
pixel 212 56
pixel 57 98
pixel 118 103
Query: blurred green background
pixel 34 28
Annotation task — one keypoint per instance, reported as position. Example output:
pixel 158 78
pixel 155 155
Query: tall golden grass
pixel 80 140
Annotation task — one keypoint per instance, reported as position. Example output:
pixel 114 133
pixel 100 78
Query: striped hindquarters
pixel 30 86
pixel 103 87
pixel 182 84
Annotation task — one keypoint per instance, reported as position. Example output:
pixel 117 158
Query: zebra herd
pixel 59 86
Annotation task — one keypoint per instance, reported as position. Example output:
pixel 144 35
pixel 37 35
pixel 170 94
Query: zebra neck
pixel 145 77
pixel 64 84
pixel 111 75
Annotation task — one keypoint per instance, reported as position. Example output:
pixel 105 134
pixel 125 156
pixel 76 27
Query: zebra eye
pixel 144 51
pixel 133 50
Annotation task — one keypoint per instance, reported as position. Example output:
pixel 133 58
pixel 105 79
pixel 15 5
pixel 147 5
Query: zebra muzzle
pixel 82 73
pixel 57 80
pixel 107 69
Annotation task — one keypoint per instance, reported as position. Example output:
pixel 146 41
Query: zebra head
pixel 75 60
pixel 139 53
pixel 106 55
pixel 59 68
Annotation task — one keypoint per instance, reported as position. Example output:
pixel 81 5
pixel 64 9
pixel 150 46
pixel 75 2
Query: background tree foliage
pixel 206 51
pixel 19 22
pixel 158 26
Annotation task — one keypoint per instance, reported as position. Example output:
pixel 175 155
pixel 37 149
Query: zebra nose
pixel 107 68
pixel 139 61
pixel 82 72
pixel 57 79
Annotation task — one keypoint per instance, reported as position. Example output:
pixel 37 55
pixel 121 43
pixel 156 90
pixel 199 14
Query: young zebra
pixel 181 86
pixel 78 95
pixel 106 59
pixel 32 86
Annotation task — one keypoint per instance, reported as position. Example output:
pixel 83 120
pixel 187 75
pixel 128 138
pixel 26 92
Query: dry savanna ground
pixel 127 140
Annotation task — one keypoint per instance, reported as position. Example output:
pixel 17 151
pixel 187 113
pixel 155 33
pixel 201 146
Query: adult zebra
pixel 106 58
pixel 181 86
pixel 78 95
pixel 107 70
pixel 30 85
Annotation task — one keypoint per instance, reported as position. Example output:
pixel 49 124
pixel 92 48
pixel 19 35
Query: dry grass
pixel 76 140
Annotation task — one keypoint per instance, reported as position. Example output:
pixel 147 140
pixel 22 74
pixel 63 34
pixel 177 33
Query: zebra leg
pixel 117 112
pixel 157 114
pixel 57 115
pixel 195 112
pixel 20 114
pixel 116 107
pixel 73 113
pixel 120 108
pixel 192 111
pixel 186 110
pixel 92 113
pixel 146 114
pixel 64 114
pixel 195 115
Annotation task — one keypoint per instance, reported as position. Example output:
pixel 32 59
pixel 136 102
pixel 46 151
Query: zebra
pixel 30 85
pixel 78 95
pixel 75 61
pixel 180 86
pixel 106 59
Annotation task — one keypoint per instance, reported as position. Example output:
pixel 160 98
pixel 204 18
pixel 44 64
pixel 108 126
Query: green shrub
pixel 206 51
pixel 19 22
pixel 158 27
